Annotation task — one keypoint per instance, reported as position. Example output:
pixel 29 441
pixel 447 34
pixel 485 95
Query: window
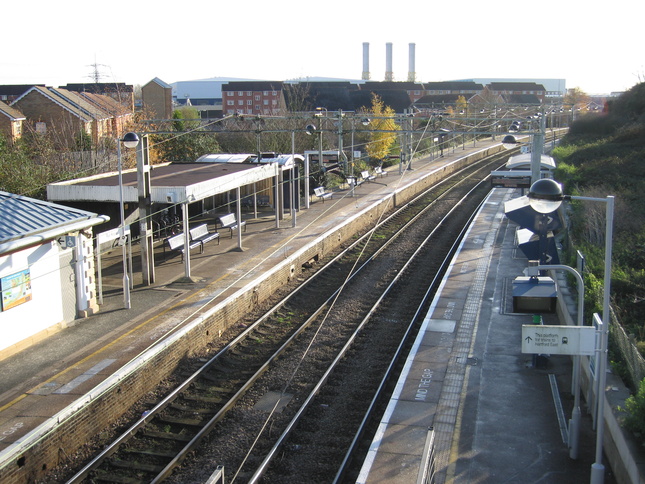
pixel 248 93
pixel 257 97
pixel 249 102
pixel 240 103
pixel 240 93
pixel 266 93
pixel 266 102
pixel 230 102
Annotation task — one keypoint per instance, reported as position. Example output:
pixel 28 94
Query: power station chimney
pixel 366 61
pixel 412 75
pixel 389 75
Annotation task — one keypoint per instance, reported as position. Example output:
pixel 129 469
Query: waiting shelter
pixel 210 184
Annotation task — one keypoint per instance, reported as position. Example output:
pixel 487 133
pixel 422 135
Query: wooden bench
pixel 176 243
pixel 201 235
pixel 322 194
pixel 229 221
pixel 365 175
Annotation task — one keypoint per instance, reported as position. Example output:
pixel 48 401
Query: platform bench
pixel 322 194
pixel 380 171
pixel 176 243
pixel 229 221
pixel 201 235
pixel 365 175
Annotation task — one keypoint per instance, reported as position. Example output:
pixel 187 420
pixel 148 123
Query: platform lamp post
pixel 130 140
pixel 545 196
pixel 311 129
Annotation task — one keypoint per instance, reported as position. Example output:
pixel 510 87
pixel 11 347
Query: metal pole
pixel 307 201
pixel 574 424
pixel 408 136
pixel 276 197
pixel 126 279
pixel 597 468
pixel 186 225
pixel 293 179
pixel 536 152
pixel 238 215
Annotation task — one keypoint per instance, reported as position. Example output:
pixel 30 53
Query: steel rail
pixel 145 420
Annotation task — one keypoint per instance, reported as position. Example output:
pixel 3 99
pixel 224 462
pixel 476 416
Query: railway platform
pixel 469 407
pixel 502 400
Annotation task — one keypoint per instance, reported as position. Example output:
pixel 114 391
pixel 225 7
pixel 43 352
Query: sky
pixel 598 49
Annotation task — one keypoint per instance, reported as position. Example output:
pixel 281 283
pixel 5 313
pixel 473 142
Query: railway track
pixel 349 311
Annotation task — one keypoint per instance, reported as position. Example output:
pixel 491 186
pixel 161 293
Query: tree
pixel 384 128
pixel 461 105
pixel 577 98
pixel 18 173
pixel 189 142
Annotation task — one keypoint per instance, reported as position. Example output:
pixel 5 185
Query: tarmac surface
pixel 507 429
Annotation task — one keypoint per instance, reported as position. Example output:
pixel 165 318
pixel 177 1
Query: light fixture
pixel 365 121
pixel 509 142
pixel 130 140
pixel 310 129
pixel 545 195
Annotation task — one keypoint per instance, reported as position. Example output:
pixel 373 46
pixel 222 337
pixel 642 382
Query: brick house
pixel 118 91
pixel 10 92
pixel 120 116
pixel 67 113
pixel 10 122
pixel 253 97
pixel 157 99
pixel 508 89
pixel 463 88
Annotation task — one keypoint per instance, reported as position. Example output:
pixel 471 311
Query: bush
pixel 635 408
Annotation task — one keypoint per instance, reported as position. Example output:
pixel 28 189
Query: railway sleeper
pixel 154 434
pixel 102 476
pixel 164 454
pixel 207 387
pixel 238 368
pixel 191 422
pixel 201 398
pixel 136 466
pixel 186 408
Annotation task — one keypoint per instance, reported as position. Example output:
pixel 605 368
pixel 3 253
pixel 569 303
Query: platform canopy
pixel 170 182
pixel 523 162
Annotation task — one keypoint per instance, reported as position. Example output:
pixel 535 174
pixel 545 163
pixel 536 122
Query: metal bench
pixel 365 175
pixel 229 221
pixel 380 171
pixel 176 243
pixel 201 235
pixel 261 200
pixel 322 194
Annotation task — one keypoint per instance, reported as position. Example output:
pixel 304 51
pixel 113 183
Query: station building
pixel 46 269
